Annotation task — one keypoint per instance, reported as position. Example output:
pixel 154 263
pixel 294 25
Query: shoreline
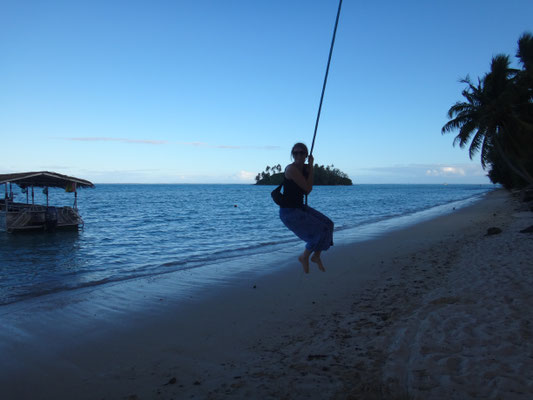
pixel 368 326
pixel 266 256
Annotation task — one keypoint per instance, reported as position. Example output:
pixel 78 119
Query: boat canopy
pixel 43 179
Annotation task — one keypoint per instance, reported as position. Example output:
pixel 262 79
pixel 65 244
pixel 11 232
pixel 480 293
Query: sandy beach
pixel 437 310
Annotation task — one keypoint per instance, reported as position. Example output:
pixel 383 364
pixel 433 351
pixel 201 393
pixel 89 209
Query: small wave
pixel 152 271
pixel 173 263
pixel 106 281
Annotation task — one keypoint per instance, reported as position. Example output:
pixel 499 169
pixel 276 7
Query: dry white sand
pixel 437 310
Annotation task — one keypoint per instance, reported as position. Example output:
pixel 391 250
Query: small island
pixel 323 175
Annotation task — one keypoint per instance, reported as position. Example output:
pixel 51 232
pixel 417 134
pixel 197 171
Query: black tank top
pixel 293 195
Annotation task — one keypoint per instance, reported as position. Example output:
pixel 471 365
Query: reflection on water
pixel 36 262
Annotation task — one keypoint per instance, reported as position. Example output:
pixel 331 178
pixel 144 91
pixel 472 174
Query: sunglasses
pixel 299 152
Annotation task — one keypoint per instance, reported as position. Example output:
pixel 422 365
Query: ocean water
pixel 134 231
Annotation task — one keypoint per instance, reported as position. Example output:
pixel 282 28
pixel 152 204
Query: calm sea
pixel 134 231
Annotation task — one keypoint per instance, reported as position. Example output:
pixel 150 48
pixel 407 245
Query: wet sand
pixel 437 310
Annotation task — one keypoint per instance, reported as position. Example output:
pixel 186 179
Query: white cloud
pixel 446 171
pixel 246 176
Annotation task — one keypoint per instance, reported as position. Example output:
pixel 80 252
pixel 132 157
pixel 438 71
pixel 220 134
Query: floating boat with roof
pixel 20 217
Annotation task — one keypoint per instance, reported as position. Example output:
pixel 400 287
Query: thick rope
pixel 325 81
pixel 326 76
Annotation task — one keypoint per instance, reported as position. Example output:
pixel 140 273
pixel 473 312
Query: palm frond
pixel 476 143
pixel 486 149
pixel 525 50
pixel 465 133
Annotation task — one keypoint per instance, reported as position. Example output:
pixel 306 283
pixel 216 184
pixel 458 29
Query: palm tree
pixel 525 81
pixel 525 55
pixel 490 118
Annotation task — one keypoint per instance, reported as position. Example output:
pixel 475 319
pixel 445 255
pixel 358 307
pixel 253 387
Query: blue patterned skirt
pixel 313 227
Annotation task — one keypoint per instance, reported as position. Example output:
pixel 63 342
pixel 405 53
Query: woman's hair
pixel 302 146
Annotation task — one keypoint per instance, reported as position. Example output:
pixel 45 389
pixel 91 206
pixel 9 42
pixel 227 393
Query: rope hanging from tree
pixel 325 80
pixel 326 76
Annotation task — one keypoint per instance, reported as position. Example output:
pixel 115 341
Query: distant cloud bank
pixel 107 139
pixel 424 173
pixel 225 146
pixel 157 142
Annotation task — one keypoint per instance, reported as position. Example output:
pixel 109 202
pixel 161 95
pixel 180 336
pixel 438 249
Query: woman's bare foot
pixel 317 260
pixel 305 262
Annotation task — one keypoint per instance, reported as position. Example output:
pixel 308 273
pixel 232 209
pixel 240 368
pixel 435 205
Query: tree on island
pixel 497 118
pixel 323 175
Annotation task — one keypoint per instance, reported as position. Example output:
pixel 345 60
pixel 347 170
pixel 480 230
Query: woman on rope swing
pixel 313 227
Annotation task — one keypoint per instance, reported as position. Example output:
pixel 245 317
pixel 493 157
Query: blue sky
pixel 213 91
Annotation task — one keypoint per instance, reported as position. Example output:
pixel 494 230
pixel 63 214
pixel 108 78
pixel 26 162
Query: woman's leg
pixel 317 260
pixel 312 227
pixel 323 227
pixel 304 260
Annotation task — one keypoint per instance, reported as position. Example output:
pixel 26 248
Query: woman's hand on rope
pixel 310 174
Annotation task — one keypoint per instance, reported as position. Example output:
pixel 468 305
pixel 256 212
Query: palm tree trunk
pixel 518 149
pixel 520 170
